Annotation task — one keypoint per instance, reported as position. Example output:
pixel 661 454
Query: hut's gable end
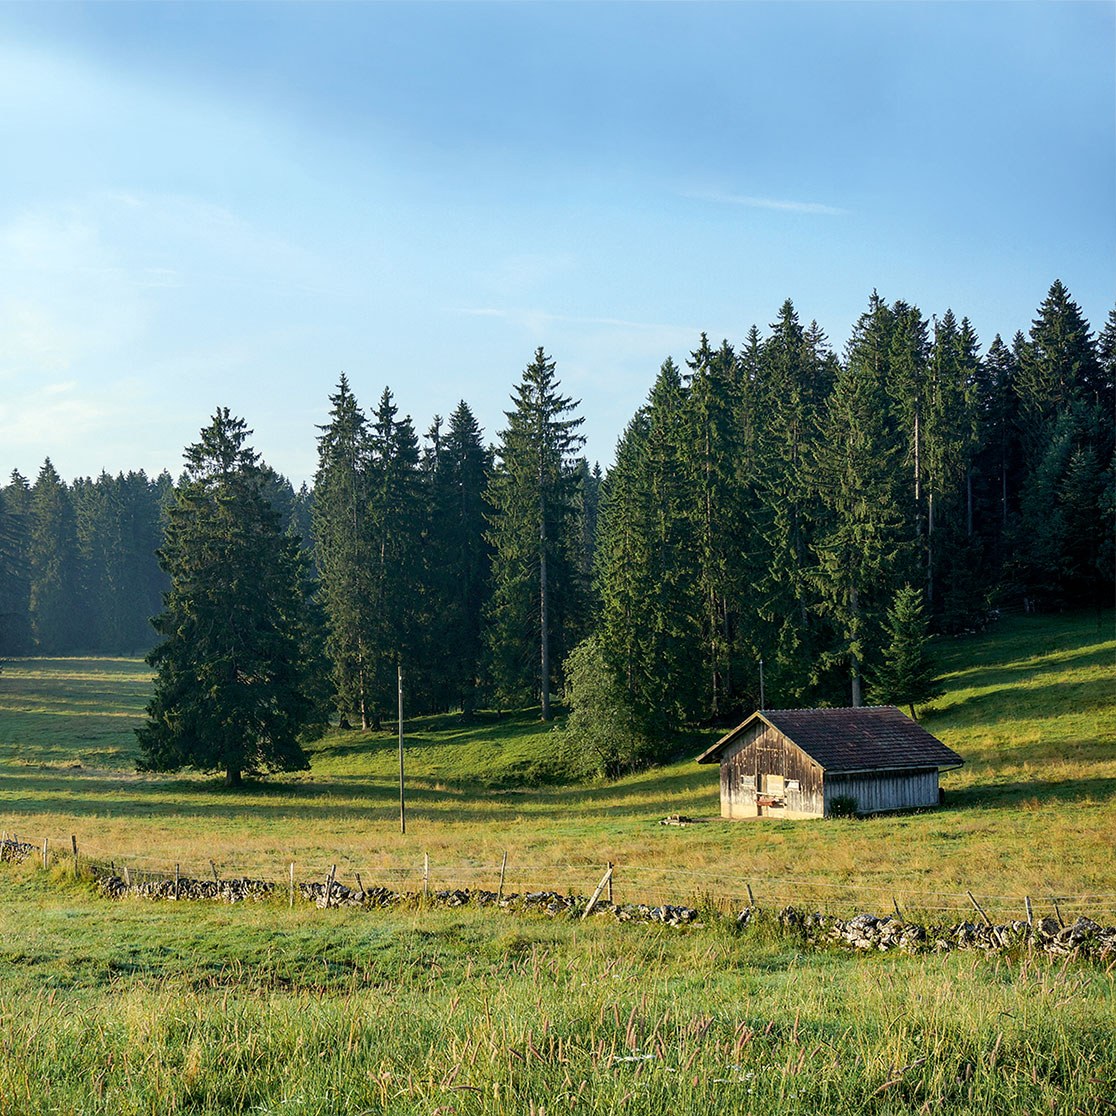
pixel 763 773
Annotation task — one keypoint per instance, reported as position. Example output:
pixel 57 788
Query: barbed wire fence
pixel 720 889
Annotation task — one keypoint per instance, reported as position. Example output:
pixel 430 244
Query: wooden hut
pixel 794 763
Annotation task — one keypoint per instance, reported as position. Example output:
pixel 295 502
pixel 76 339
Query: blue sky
pixel 209 205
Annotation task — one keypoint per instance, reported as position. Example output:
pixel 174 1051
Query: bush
pixel 607 734
pixel 843 806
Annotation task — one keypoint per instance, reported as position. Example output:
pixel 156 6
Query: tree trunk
pixel 544 623
pixel 233 777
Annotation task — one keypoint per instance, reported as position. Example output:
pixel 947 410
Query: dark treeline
pixel 768 502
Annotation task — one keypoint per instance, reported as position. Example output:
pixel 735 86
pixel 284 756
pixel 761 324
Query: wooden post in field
pixel 216 878
pixel 610 881
pixel 503 869
pixel 177 878
pixel 402 800
pixel 595 897
pixel 426 875
pixel 73 845
pixel 751 897
pixel 1030 911
pixel 329 885
pixel 360 886
pixel 1057 911
pixel 895 904
pixel 46 851
pixel 127 876
pixel 290 888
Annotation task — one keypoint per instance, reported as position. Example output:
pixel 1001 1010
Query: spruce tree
pixel 791 386
pixel 343 552
pixel 57 606
pixel 397 520
pixel 651 606
pixel 232 691
pixel 905 675
pixel 537 594
pixel 862 543
pixel 457 559
pixel 15 580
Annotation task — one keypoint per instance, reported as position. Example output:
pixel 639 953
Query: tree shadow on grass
pixel 1051 699
pixel 1024 794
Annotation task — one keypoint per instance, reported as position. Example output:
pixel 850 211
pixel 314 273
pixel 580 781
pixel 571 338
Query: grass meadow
pixel 140 1007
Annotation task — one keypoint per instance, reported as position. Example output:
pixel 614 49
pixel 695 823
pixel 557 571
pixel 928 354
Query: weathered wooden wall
pixel 745 769
pixel 885 790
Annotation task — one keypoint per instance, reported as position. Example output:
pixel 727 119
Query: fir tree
pixel 458 558
pixel 343 551
pixel 905 675
pixel 862 542
pixel 57 606
pixel 536 605
pixel 15 580
pixel 232 691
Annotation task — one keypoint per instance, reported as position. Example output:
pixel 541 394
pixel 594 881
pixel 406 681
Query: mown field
pixel 139 1007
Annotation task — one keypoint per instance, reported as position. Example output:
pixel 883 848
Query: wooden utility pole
pixel 402 799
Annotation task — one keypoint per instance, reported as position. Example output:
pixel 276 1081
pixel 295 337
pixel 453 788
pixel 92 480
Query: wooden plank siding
pixel 876 791
pixel 764 761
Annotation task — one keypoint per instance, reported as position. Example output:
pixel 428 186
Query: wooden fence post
pixel 503 870
pixel 1030 911
pixel 751 897
pixel 290 888
pixel 610 874
pixel 216 878
pixel 46 852
pixel 1057 911
pixel 426 876
pixel 595 897
pixel 127 876
pixel 73 845
pixel 177 877
pixel 329 885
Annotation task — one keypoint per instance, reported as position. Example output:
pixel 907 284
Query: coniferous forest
pixel 775 500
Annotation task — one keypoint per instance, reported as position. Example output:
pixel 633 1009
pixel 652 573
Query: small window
pixel 792 784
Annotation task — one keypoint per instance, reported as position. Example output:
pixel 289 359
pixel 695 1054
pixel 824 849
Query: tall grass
pixel 142 1009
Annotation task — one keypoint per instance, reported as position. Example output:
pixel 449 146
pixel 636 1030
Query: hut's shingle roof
pixel 865 739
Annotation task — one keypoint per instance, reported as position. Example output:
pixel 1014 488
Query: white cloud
pixel 783 205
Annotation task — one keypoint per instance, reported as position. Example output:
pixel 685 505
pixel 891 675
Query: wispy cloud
pixel 783 205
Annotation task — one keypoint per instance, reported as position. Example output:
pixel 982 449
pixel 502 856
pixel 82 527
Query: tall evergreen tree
pixel 397 520
pixel 344 553
pixel 458 559
pixel 651 606
pixel 862 542
pixel 905 675
pixel 57 607
pixel 716 466
pixel 15 579
pixel 536 606
pixel 792 385
pixel 231 688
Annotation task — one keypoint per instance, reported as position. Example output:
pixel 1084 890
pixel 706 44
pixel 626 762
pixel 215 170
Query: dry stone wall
pixel 863 932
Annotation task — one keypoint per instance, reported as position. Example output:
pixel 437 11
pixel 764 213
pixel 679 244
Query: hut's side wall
pixel 885 790
pixel 746 768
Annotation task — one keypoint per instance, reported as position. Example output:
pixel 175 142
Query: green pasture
pixel 140 1007
pixel 1031 705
